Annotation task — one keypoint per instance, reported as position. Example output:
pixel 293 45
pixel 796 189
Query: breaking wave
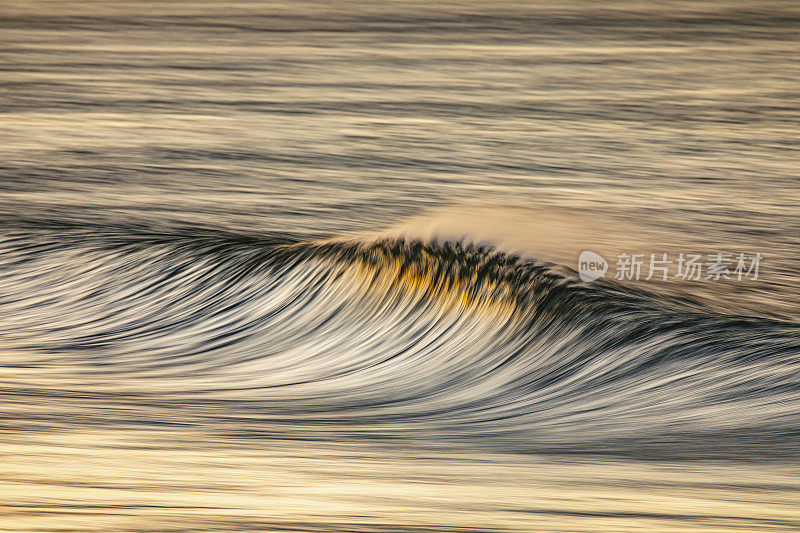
pixel 442 341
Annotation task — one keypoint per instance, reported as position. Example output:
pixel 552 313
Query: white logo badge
pixel 591 266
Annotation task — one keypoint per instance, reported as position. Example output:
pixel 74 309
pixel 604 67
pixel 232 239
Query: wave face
pixel 391 339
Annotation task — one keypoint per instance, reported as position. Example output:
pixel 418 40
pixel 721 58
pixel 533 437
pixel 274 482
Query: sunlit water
pixel 309 266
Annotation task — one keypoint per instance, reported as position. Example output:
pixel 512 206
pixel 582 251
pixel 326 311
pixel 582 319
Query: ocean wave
pixel 390 338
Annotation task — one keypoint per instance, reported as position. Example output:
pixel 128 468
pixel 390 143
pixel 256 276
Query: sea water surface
pixel 310 266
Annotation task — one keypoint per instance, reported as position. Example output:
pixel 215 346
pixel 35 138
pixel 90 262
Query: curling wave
pixel 441 341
